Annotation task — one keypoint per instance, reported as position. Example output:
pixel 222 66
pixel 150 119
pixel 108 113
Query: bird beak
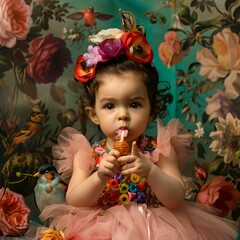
pixel 37 174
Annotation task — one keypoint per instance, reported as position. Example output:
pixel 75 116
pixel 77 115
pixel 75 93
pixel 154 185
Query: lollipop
pixel 121 145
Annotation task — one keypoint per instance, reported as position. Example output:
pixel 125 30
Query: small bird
pixel 33 126
pixel 89 16
pixel 49 188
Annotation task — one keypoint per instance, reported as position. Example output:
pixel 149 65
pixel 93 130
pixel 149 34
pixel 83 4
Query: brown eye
pixel 135 105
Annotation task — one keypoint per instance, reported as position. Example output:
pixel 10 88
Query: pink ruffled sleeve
pixel 172 137
pixel 72 147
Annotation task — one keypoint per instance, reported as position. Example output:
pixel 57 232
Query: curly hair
pixel 147 73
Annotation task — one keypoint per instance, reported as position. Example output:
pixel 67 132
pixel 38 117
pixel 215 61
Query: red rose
pixel 136 47
pixel 219 194
pixel 49 58
pixel 82 73
pixel 13 214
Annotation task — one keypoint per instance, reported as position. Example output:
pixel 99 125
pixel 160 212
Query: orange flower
pixel 219 194
pixel 136 47
pixel 51 234
pixel 82 73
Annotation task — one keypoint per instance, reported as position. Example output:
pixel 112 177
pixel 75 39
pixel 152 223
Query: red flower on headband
pixel 82 73
pixel 136 47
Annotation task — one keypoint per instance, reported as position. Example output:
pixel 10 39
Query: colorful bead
pixel 133 187
pixel 113 196
pixel 123 198
pixel 119 176
pixel 107 187
pixel 135 178
pixel 141 186
pixel 124 188
pixel 141 197
pixel 131 195
pixel 114 183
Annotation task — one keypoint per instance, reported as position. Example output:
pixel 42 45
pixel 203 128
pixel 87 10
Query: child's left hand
pixel 136 162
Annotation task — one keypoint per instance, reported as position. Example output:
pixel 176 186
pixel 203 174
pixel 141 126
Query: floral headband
pixel 112 43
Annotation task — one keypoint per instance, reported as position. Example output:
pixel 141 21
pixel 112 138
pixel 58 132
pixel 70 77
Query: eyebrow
pixel 137 98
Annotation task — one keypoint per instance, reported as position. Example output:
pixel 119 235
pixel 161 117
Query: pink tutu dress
pixel 127 209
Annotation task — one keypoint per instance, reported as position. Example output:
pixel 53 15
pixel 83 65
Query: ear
pixel 92 115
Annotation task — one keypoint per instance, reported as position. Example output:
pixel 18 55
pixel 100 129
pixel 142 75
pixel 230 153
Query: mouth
pixel 122 132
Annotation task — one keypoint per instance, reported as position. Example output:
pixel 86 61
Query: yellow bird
pixel 33 126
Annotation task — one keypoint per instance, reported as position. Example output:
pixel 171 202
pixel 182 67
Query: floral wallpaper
pixel 196 50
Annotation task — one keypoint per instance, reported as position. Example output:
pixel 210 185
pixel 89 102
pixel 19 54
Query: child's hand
pixel 109 166
pixel 135 163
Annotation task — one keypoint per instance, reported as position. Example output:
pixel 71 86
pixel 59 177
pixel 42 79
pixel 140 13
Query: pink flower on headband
pixel 136 47
pixel 93 56
pixel 110 48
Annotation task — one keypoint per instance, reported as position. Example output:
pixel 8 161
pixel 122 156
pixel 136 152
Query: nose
pixel 123 115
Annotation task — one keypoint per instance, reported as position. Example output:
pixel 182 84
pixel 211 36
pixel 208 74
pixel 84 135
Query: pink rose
pixel 49 58
pixel 110 48
pixel 13 214
pixel 170 51
pixel 219 194
pixel 15 21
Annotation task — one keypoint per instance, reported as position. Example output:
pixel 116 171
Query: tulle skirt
pixel 137 221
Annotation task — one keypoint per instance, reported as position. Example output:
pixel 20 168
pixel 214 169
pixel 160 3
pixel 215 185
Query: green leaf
pixel 180 73
pixel 235 214
pixel 230 3
pixel 218 167
pixel 205 118
pixel 193 66
pixel 236 13
pixel 207 85
pixel 201 152
pixel 194 16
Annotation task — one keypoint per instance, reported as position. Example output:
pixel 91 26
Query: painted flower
pixel 92 57
pixel 49 58
pixel 226 139
pixel 51 234
pixel 15 21
pixel 200 172
pixel 82 73
pixel 136 47
pixel 218 105
pixel 219 194
pixel 226 64
pixel 14 214
pixel 110 48
pixel 106 34
pixel 170 51
pixel 199 131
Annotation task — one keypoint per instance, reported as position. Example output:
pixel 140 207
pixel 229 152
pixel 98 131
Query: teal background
pixel 61 107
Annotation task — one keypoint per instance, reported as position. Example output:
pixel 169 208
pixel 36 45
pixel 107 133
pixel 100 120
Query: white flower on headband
pixel 106 34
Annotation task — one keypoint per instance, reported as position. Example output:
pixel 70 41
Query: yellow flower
pixel 52 234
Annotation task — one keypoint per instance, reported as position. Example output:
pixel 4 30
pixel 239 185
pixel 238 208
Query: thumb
pixel 134 151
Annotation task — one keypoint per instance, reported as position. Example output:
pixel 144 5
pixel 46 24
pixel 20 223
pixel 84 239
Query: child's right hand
pixel 109 166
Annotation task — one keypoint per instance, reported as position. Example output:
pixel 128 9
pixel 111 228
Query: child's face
pixel 122 101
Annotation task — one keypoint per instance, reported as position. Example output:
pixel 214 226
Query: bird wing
pixel 22 133
pixel 103 17
pixel 77 15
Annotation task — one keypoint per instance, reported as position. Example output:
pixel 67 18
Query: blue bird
pixel 49 188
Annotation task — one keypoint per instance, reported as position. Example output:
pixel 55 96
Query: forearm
pixel 86 193
pixel 168 190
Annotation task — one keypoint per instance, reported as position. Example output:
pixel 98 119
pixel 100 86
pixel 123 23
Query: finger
pixel 134 151
pixel 114 153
